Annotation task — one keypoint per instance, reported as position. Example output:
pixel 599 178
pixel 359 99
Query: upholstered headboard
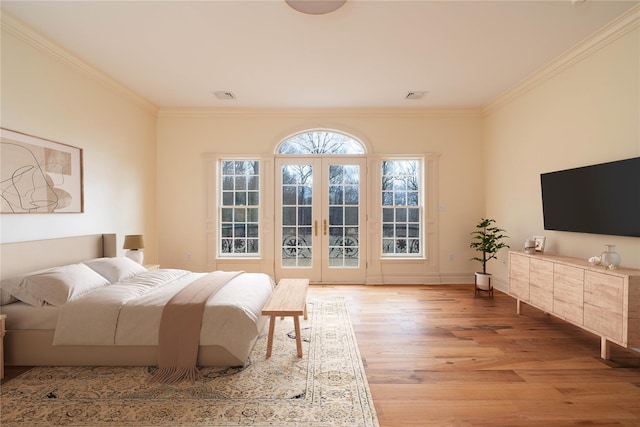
pixel 24 257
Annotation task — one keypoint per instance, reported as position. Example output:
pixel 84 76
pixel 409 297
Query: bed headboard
pixel 24 257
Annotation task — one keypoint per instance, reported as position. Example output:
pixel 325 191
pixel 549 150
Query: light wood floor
pixel 439 356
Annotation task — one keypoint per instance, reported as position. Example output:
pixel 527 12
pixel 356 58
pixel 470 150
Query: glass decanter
pixel 610 258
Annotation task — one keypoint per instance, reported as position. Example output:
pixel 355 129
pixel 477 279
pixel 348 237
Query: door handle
pixel 315 228
pixel 325 227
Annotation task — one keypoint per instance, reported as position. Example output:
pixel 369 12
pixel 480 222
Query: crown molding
pixel 320 112
pixel 16 28
pixel 624 24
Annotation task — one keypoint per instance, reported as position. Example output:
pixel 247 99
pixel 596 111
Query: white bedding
pixel 21 315
pixel 128 312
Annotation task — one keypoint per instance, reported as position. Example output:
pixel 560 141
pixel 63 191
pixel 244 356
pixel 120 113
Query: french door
pixel 320 219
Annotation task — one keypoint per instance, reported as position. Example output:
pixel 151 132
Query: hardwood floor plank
pixel 436 355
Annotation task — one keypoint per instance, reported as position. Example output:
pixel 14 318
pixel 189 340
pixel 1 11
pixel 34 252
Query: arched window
pixel 321 142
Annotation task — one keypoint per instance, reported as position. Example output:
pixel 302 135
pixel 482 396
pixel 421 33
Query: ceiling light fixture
pixel 224 94
pixel 415 94
pixel 316 7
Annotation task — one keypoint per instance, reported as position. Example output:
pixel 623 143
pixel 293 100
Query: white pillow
pixel 115 269
pixel 58 285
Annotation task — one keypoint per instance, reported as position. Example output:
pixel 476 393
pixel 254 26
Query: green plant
pixel 488 240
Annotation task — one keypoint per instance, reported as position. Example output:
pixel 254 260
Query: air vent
pixel 224 94
pixel 415 94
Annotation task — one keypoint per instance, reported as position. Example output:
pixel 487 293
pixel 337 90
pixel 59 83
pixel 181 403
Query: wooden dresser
pixel 604 302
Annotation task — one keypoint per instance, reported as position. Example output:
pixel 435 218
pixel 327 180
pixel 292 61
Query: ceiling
pixel 366 54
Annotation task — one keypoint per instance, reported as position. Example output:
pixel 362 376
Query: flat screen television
pixel 598 199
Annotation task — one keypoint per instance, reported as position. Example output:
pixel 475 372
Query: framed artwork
pixel 39 175
pixel 539 243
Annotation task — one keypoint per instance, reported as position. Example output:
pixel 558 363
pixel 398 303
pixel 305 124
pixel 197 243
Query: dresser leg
pixel 605 348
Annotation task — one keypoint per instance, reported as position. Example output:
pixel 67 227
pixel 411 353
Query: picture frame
pixel 39 175
pixel 540 240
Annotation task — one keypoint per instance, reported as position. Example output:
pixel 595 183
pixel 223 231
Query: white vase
pixel 483 281
pixel 135 254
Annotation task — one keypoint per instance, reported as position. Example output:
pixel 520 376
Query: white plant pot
pixel 483 281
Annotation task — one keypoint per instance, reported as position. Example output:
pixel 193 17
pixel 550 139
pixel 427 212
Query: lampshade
pixel 133 241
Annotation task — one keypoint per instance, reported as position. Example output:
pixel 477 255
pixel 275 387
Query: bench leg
pixel 272 325
pixel 296 322
pixel 305 311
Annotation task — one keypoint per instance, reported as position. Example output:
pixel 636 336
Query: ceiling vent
pixel 415 94
pixel 224 94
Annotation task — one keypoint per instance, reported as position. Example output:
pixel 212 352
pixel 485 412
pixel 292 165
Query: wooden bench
pixel 288 299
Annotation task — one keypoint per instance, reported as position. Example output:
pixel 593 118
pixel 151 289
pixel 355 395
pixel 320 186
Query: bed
pixel 56 332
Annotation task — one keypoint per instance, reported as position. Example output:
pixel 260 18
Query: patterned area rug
pixel 326 387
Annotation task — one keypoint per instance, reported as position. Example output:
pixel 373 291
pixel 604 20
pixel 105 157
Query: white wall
pixel 184 136
pixel 48 95
pixel 588 113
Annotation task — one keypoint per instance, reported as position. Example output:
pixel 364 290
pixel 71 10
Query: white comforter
pixel 128 312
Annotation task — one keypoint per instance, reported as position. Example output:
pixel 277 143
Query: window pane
pixel 253 215
pixel 336 195
pixel 321 142
pixel 227 168
pixel 401 226
pixel 241 199
pixel 239 215
pixel 289 215
pixel 335 216
pixel 253 168
pixel 412 198
pixel 351 216
pixel 304 195
pixel 241 183
pixel 414 215
pixel 351 196
pixel 253 198
pixel 227 183
pixel 241 168
pixel 304 216
pixel 226 214
pixel 352 174
pixel 253 183
pixel 387 198
pixel 288 195
pixel 387 215
pixel 239 227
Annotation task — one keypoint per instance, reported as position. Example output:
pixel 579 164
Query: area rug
pixel 326 387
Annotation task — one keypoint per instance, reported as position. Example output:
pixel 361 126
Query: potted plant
pixel 487 239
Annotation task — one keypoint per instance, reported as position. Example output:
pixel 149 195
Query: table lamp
pixel 134 243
